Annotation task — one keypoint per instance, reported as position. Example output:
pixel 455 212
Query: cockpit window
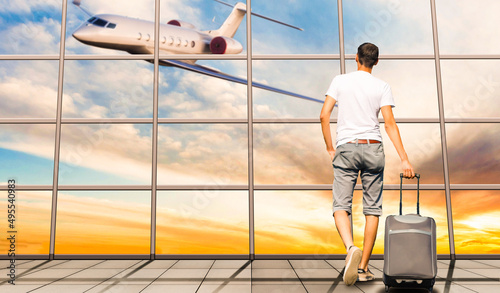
pixel 100 22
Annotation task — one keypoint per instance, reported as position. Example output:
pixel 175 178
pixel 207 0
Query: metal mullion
pixel 245 187
pixel 296 57
pixel 57 144
pixel 203 187
pixel 251 198
pixel 154 163
pixel 469 57
pixel 397 57
pixel 443 129
pixel 357 187
pixel 340 14
pixel 103 187
pixel 243 57
pixel 110 57
pixel 334 120
pixel 472 120
pixel 29 57
pixel 223 120
pixel 28 121
pixel 202 120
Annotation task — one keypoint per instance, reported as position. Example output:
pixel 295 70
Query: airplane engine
pixel 225 45
pixel 181 23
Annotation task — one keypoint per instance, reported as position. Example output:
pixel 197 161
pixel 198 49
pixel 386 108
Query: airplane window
pixel 178 42
pixel 100 22
pixel 163 40
pixel 140 36
pixel 111 25
pixel 171 41
pixel 186 43
pixel 91 19
pixel 192 44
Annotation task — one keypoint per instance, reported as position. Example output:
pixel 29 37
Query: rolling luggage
pixel 410 258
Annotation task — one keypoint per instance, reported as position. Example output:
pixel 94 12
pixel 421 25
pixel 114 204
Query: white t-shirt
pixel 359 97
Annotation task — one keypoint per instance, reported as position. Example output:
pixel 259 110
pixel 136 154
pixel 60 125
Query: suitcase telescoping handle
pixel 401 194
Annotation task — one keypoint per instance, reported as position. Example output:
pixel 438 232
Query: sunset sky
pixel 201 222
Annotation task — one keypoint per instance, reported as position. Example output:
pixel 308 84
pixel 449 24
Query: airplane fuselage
pixel 137 36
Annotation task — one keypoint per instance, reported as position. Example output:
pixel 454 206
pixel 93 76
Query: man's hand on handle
pixel 408 171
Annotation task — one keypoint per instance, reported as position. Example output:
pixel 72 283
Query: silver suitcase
pixel 410 258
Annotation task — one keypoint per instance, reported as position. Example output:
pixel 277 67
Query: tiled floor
pixel 287 276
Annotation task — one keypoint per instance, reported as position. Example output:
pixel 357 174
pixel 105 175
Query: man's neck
pixel 364 68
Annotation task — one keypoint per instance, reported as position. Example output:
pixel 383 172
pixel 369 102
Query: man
pixel 360 97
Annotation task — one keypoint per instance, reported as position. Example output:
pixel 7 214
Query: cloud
pixel 21 37
pixel 397 27
pixel 206 154
pixel 467 28
pixel 26 7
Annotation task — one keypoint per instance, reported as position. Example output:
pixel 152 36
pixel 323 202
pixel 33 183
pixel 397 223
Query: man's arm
pixel 326 112
pixel 393 132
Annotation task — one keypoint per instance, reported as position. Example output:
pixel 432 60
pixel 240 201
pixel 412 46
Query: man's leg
pixel 372 177
pixel 346 174
pixel 344 227
pixel 371 227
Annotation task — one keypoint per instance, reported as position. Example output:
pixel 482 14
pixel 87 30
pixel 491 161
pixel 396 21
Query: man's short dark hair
pixel 368 54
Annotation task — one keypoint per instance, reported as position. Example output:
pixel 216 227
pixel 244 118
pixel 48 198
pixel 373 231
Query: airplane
pixel 136 36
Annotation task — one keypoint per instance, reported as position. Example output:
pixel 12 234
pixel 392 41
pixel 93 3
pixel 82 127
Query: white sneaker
pixel 351 265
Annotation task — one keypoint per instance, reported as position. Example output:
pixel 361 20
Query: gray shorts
pixel 350 160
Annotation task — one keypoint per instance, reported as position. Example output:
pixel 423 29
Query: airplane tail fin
pixel 231 24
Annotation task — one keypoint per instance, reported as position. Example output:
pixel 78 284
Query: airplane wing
pixel 215 73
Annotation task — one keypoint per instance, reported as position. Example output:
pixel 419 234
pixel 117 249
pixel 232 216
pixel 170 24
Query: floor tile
pixel 471 264
pixel 457 274
pixel 271 264
pixel 318 274
pixel 46 276
pixel 231 264
pixel 42 264
pixel 97 275
pixel 310 264
pixel 193 264
pixel 77 264
pixel 107 288
pixel 161 264
pixel 491 262
pixel 491 288
pixel 332 287
pixel 488 273
pixel 228 274
pixel 225 288
pixel 377 263
pixel 278 288
pixel 135 276
pixel 337 263
pixel 274 275
pixel 182 276
pixel 18 288
pixel 166 288
pixel 118 264
pixel 56 288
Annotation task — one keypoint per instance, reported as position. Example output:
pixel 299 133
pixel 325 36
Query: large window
pixel 127 136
